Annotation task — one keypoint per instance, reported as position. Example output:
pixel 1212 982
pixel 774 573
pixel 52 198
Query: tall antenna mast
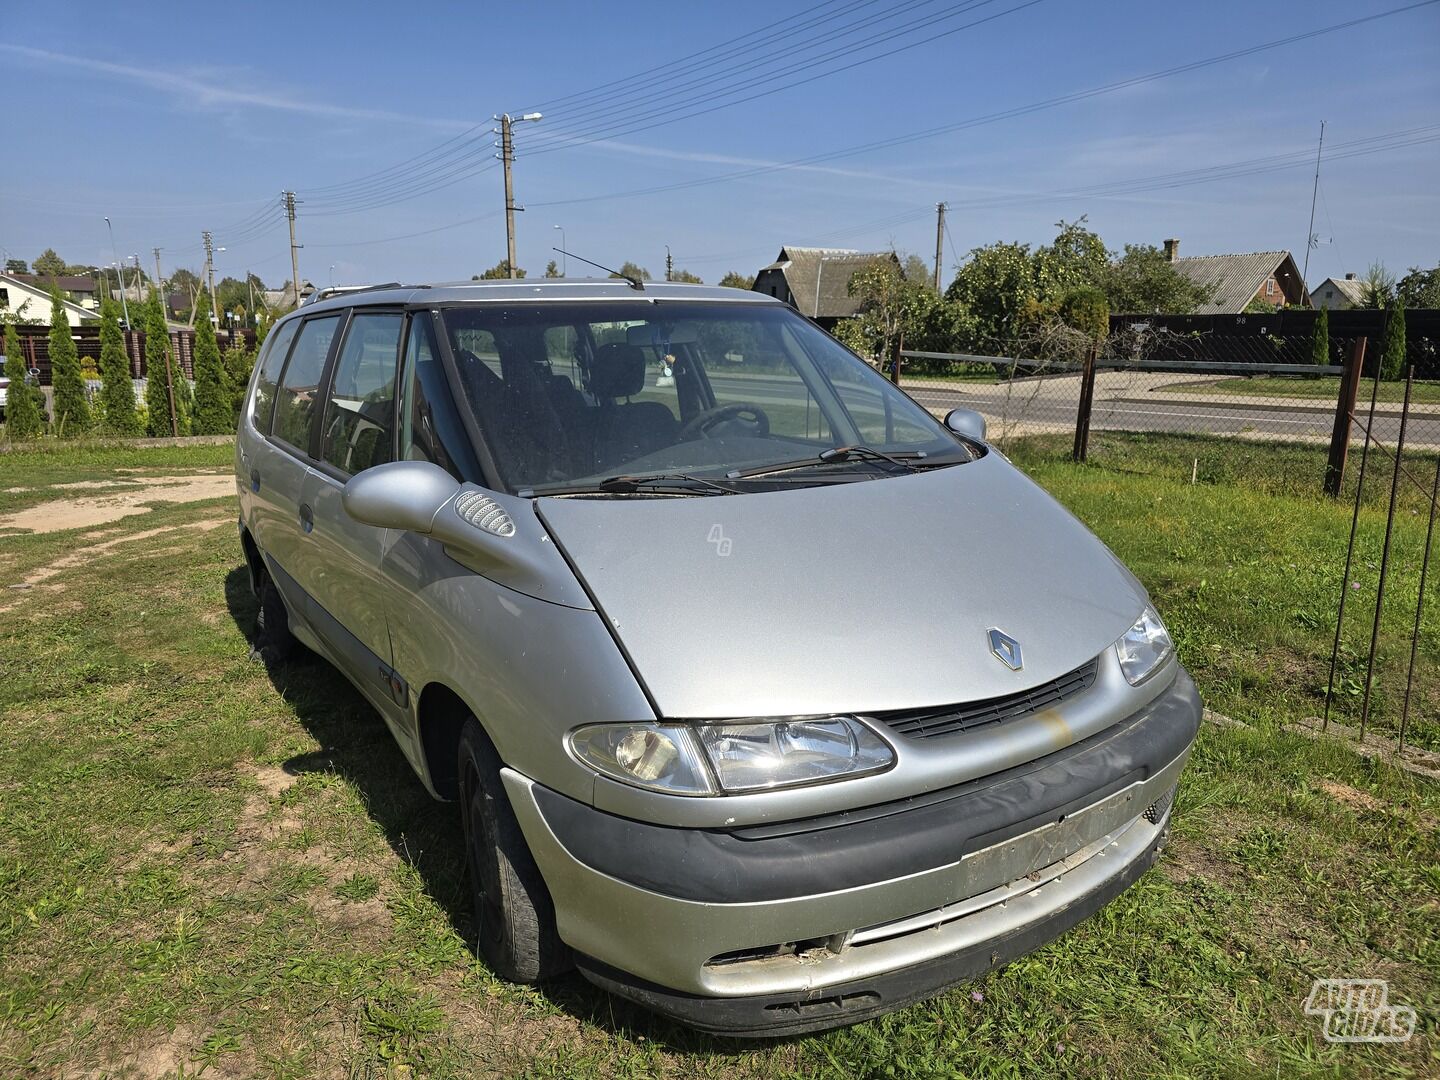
pixel 1314 194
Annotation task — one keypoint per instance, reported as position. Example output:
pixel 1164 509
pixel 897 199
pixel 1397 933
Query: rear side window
pixel 300 385
pixel 360 409
pixel 277 347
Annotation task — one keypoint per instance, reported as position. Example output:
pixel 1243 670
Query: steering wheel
pixel 700 424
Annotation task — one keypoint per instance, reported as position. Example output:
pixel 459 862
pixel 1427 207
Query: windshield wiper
pixel 901 458
pixel 667 483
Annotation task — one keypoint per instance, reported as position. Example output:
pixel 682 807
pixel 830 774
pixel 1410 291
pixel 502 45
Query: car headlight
pixel 711 759
pixel 1143 647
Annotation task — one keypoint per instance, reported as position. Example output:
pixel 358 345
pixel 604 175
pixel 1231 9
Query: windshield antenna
pixel 635 283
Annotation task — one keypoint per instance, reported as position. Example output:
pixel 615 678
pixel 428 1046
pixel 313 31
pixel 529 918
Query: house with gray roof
pixel 816 281
pixel 1235 280
pixel 1338 293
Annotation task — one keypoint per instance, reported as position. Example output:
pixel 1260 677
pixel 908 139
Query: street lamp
pixel 507 159
pixel 119 276
pixel 332 275
pixel 564 259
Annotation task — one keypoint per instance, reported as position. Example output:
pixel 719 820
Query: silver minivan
pixel 769 701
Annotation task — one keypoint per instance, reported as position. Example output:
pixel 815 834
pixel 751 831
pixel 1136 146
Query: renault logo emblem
pixel 1006 649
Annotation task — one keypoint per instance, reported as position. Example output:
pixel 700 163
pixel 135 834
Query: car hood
pixel 851 597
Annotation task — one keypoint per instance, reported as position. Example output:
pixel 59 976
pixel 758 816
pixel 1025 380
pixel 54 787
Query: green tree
pixel 72 406
pixel 1377 287
pixel 735 280
pixel 916 269
pixel 552 269
pixel 1077 257
pixel 162 376
pixel 212 390
pixel 1320 340
pixel 1142 281
pixel 49 264
pixel 1085 308
pixel 239 363
pixel 686 277
pixel 23 419
pixel 629 270
pixel 16 266
pixel 117 392
pixel 500 271
pixel 995 286
pixel 1419 289
pixel 1392 344
pixel 896 310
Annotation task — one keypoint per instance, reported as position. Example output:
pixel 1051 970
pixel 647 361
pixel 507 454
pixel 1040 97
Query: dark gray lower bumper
pixel 776 1015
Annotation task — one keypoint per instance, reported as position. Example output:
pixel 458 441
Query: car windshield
pixel 569 394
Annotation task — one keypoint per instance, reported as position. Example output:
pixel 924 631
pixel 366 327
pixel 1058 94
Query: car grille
pixel 950 719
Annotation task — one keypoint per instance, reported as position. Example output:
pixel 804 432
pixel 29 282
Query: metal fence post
pixel 1344 410
pixel 1087 397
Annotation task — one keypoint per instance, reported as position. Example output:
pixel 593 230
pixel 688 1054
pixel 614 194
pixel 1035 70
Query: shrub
pixel 239 363
pixel 1086 309
pixel 72 406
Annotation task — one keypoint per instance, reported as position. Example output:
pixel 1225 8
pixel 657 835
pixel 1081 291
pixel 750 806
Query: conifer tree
pixel 23 419
pixel 1320 340
pixel 162 377
pixel 117 392
pixel 72 406
pixel 1392 344
pixel 212 391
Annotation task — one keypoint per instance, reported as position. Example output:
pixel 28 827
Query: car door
pixel 279 464
pixel 342 560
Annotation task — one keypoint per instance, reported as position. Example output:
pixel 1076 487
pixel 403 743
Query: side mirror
pixel 404 495
pixel 967 423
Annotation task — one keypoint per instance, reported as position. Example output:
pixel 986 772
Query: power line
pixel 996 117
pixel 663 118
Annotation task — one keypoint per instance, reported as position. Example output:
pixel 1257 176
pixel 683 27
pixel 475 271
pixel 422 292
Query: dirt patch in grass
pixel 81 556
pixel 1351 797
pixel 85 513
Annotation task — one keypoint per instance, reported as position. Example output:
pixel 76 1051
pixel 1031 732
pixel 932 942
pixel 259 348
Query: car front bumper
pixel 772 930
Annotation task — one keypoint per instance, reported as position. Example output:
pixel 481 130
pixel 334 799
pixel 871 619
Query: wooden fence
pixel 35 342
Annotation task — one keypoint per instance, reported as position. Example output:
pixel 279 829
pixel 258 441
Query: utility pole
pixel 210 275
pixel 289 197
pixel 939 240
pixel 507 159
pixel 158 286
pixel 669 264
pixel 1314 194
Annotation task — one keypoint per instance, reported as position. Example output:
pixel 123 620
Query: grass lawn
pixel 1326 387
pixel 205 865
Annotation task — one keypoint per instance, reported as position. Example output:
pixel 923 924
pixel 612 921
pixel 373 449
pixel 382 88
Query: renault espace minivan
pixel 768 700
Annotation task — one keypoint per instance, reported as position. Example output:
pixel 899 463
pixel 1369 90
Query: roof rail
pixel 341 290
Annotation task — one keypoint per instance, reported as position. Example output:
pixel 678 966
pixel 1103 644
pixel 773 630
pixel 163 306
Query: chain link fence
pixel 1195 403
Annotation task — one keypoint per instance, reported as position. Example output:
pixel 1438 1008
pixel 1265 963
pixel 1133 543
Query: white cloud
pixel 198 90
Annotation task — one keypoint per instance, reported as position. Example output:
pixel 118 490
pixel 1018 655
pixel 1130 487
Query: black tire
pixel 272 623
pixel 514 916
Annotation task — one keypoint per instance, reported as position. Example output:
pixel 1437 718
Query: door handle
pixel 307 518
pixel 254 479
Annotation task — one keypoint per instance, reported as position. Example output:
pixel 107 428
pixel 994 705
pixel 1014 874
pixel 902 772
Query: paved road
pixel 1204 416
pixel 1119 406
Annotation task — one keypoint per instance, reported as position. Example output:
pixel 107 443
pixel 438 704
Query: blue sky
pixel 171 121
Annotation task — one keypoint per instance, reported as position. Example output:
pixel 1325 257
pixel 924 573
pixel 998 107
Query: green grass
pixel 208 865
pixel 1325 387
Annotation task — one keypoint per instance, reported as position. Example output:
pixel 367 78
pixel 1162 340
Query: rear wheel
pixel 514 916
pixel 272 622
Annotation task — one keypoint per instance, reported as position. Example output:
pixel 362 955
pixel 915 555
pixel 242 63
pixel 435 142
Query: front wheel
pixel 515 917
pixel 272 622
